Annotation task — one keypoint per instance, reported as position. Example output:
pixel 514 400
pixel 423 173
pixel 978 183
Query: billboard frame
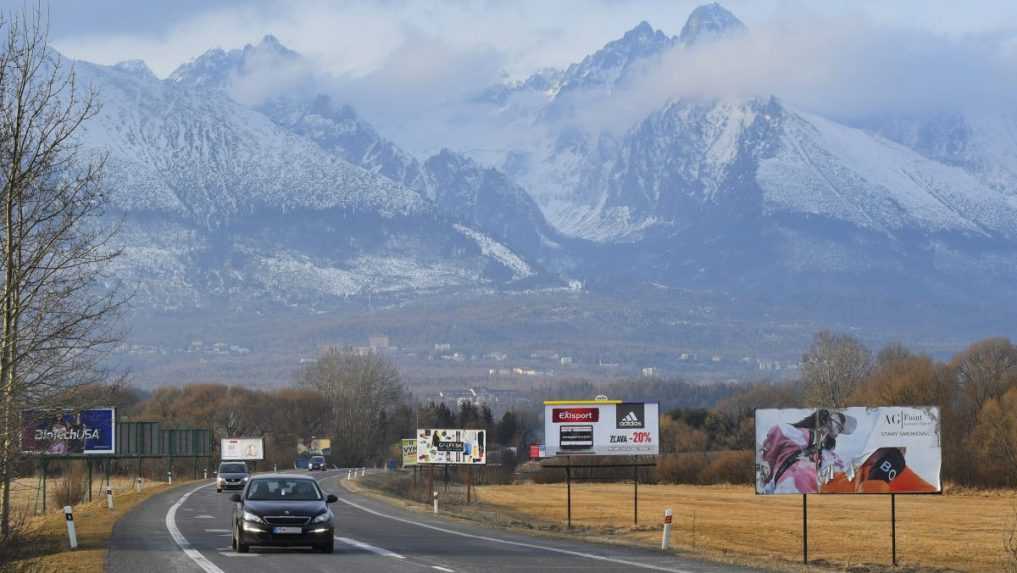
pixel 892 494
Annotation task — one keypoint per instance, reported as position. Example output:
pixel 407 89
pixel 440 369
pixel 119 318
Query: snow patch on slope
pixel 491 248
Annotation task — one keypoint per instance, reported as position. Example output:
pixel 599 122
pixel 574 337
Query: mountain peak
pixel 269 44
pixel 135 67
pixel 708 22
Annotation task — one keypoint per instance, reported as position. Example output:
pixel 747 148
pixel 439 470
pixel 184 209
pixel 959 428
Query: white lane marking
pixel 232 553
pixel 558 550
pixel 171 525
pixel 445 569
pixel 218 531
pixel 205 516
pixel 368 547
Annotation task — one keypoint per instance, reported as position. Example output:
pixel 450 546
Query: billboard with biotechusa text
pixel 848 450
pixel 601 428
pixel 69 432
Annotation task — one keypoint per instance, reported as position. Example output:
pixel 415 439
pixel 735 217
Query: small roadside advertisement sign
pixel 409 447
pixel 601 428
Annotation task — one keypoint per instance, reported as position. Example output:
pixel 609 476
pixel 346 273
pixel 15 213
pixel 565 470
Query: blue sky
pixel 357 36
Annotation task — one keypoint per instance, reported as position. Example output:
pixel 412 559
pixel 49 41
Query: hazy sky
pixel 359 36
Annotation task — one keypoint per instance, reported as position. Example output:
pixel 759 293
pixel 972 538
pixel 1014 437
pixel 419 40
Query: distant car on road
pixel 231 475
pixel 283 510
pixel 316 463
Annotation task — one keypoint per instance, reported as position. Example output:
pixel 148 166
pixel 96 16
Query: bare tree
pixel 55 310
pixel 833 367
pixel 986 369
pixel 359 389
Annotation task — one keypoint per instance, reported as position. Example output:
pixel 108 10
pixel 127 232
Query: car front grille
pixel 286 520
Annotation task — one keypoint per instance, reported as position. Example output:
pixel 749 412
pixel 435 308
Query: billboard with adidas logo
pixel 601 428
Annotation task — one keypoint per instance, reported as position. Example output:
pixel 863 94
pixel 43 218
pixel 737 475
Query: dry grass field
pixel 961 531
pixel 26 492
pixel 46 548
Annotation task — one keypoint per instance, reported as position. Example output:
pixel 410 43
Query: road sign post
pixel 666 538
pixel 72 536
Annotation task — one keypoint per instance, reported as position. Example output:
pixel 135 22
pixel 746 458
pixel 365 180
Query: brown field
pixel 961 531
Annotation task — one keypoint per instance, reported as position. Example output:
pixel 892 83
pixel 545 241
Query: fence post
pixel 71 534
pixel 666 539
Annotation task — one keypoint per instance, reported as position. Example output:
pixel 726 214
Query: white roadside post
pixel 363 472
pixel 71 534
pixel 204 474
pixel 436 501
pixel 109 497
pixel 275 467
pixel 169 477
pixel 139 483
pixel 666 539
pixel 349 475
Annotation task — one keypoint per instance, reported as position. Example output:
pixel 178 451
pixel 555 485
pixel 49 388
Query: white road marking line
pixel 218 531
pixel 232 553
pixel 204 516
pixel 560 551
pixel 445 569
pixel 368 547
pixel 171 524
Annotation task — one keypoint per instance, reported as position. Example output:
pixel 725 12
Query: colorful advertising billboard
pixel 409 447
pixel 601 428
pixel 848 450
pixel 247 449
pixel 69 432
pixel 441 446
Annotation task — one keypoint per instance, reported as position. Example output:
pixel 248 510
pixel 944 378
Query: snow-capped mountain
pixel 221 204
pixel 709 22
pixel 458 187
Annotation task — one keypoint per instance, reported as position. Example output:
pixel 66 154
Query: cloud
pixel 846 68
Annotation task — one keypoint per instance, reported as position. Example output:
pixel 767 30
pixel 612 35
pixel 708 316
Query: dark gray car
pixel 231 475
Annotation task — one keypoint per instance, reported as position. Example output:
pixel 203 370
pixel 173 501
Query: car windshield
pixel 283 489
pixel 233 469
pixel 317 460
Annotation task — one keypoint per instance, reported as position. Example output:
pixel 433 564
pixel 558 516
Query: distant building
pixel 444 347
pixel 362 350
pixel 566 360
pixel 378 342
pixel 651 372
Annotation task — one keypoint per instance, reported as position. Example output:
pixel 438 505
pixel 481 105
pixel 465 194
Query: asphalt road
pixel 188 529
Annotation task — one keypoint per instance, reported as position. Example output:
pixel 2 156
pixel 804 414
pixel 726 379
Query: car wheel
pixel 327 547
pixel 218 490
pixel 237 545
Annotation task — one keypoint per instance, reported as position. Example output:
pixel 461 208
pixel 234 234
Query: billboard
pixel 601 428
pixel 409 447
pixel 314 446
pixel 848 450
pixel 69 432
pixel 249 449
pixel 443 446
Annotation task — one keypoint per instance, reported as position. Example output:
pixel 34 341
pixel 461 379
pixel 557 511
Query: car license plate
pixel 284 530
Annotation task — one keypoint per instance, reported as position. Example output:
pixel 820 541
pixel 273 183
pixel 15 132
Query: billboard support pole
pixel 893 526
pixel 89 462
pixel 805 529
pixel 635 495
pixel 568 487
pixel 45 464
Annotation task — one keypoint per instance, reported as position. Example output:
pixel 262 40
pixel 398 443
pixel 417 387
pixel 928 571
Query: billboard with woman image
pixel 848 450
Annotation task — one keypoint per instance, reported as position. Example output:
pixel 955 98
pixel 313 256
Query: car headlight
pixel 245 478
pixel 248 516
pixel 322 517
